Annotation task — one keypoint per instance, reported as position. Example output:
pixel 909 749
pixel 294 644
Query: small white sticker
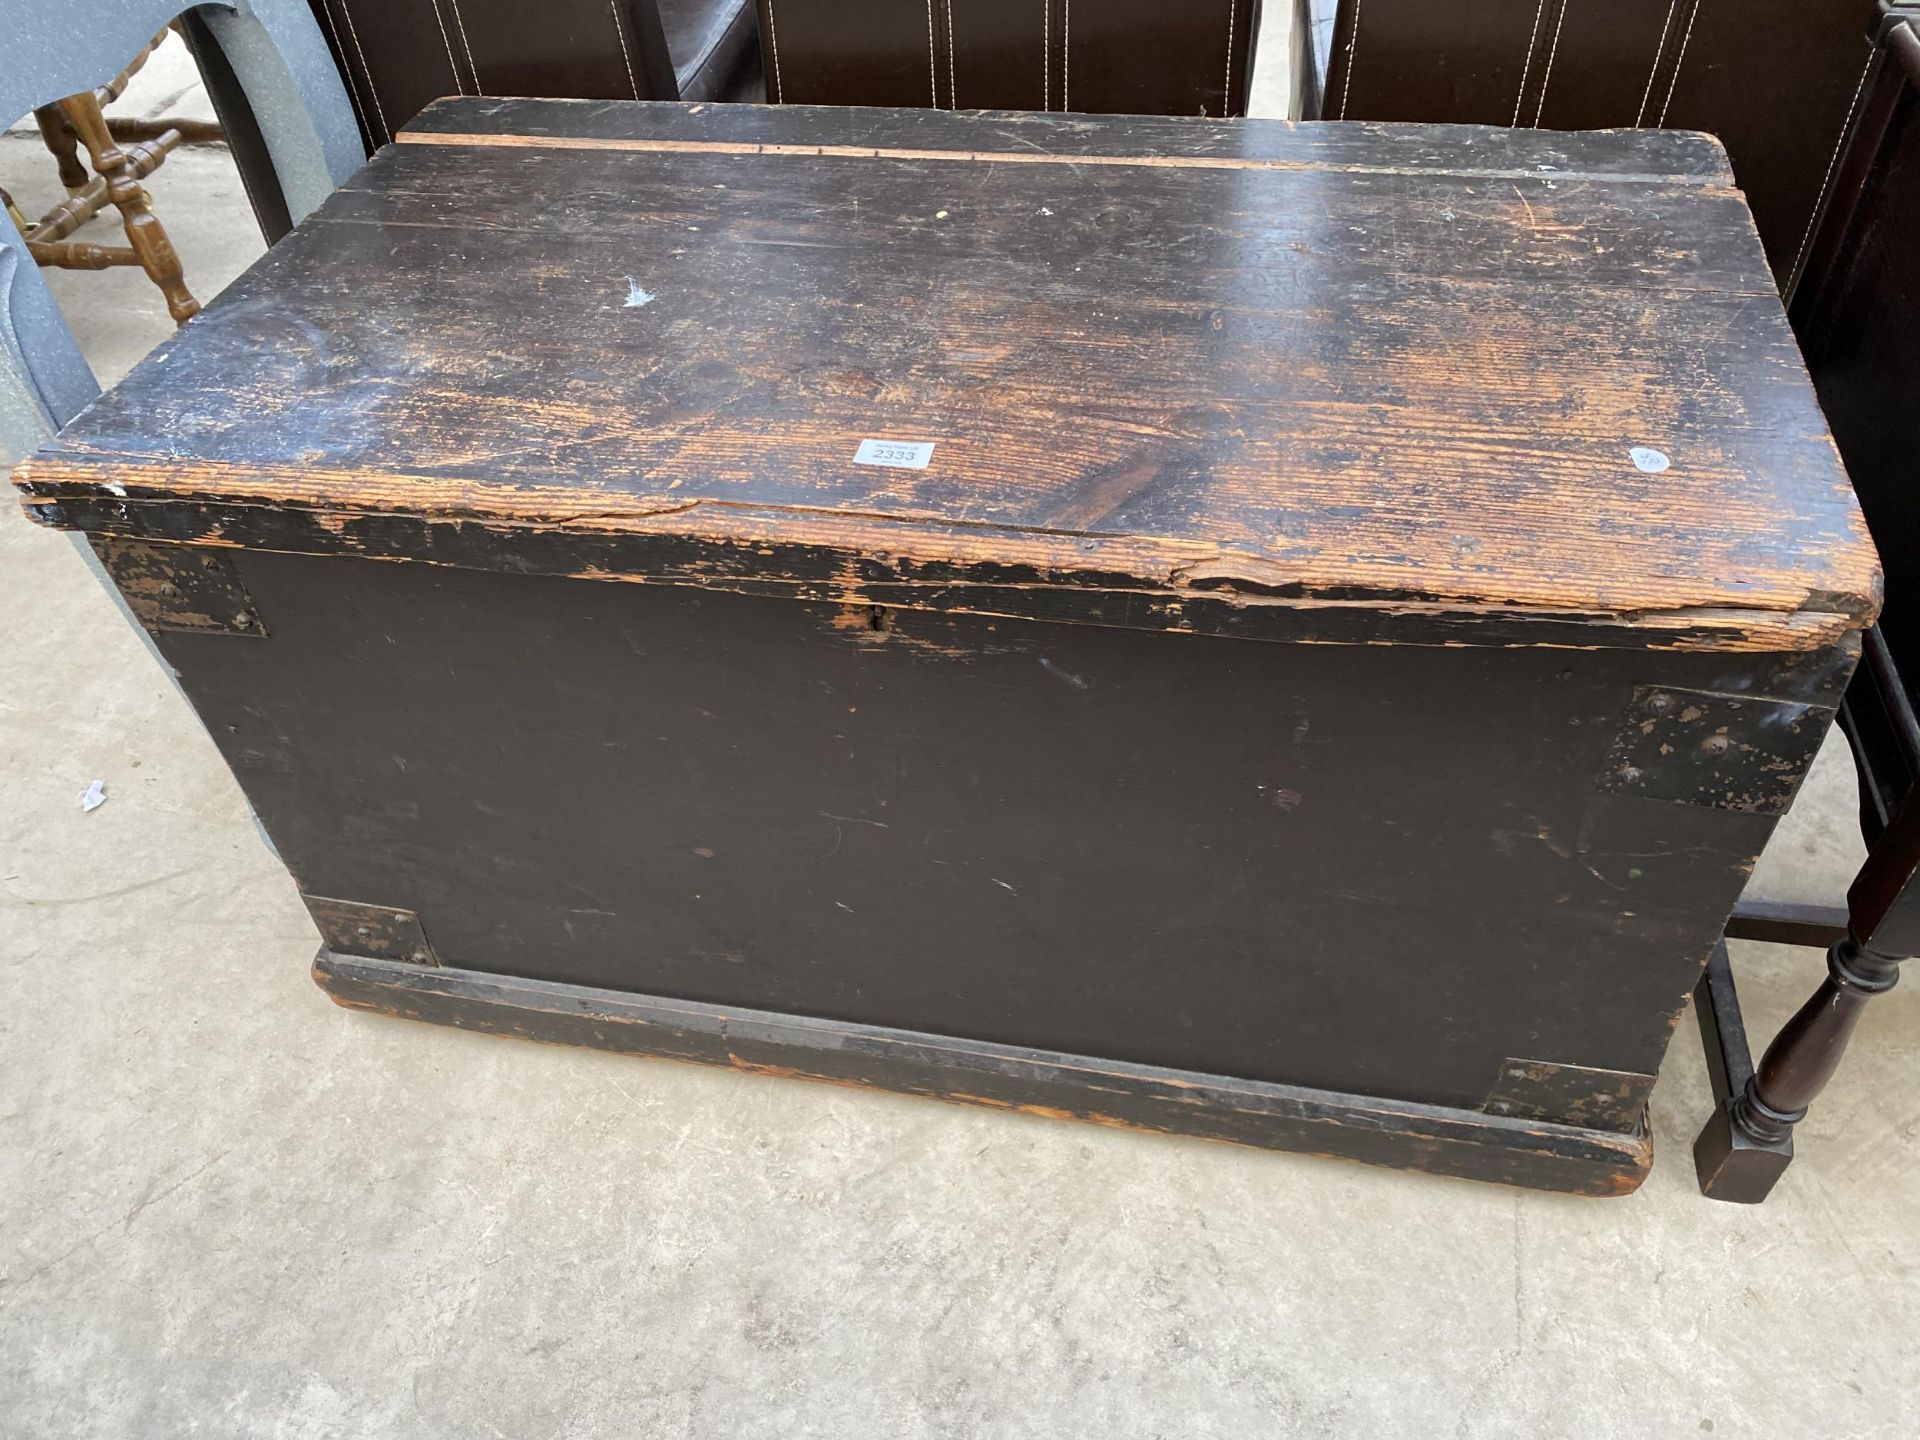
pixel 1649 460
pixel 895 454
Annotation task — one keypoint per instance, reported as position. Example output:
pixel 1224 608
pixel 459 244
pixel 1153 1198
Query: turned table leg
pixel 1748 1143
pixel 144 231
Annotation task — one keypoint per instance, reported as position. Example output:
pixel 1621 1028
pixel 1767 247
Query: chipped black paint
pixel 1732 752
pixel 178 587
pixel 374 932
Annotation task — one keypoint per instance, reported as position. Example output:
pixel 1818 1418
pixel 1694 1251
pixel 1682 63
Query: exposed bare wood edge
pixel 1692 629
pixel 1683 628
pixel 1042 122
pixel 1783 922
pixel 336 499
pixel 1464 1143
pixel 1626 630
pixel 1033 157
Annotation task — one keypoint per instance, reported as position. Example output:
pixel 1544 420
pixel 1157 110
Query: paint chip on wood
pixel 1078 682
pixel 637 295
pixel 1648 460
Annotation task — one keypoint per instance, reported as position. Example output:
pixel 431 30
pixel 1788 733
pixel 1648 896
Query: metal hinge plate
pixel 179 588
pixel 375 932
pixel 1728 752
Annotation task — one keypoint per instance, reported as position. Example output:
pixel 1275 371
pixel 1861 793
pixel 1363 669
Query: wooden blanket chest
pixel 1287 634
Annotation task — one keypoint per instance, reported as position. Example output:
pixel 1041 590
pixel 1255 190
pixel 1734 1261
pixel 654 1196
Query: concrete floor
pixel 228 1208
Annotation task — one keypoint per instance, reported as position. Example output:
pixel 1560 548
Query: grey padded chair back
pixel 295 105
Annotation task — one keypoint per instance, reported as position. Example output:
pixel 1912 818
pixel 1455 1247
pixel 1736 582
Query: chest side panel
pixel 1385 870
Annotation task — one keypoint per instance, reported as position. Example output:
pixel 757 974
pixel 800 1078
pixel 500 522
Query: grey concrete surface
pixel 229 1209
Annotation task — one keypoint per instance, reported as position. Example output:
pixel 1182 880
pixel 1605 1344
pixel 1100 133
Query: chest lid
pixel 1319 381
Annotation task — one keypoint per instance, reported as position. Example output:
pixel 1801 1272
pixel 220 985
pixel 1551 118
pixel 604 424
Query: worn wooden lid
pixel 1317 381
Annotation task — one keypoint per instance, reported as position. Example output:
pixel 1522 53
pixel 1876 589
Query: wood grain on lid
pixel 1411 369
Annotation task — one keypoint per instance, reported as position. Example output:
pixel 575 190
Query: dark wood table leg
pixel 1787 922
pixel 1748 1143
pixel 1729 1158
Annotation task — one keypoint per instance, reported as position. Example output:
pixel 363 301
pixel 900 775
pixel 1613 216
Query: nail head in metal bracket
pixel 179 588
pixel 373 932
pixel 1727 752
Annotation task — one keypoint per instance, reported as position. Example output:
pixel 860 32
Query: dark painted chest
pixel 1294 634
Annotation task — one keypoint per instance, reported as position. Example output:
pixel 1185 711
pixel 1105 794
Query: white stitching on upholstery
pixel 1046 54
pixel 346 73
pixel 625 54
pixel 1640 115
pixel 458 84
pixel 1226 95
pixel 1833 162
pixel 1673 81
pixel 460 24
pixel 1547 79
pixel 953 90
pixel 933 61
pixel 773 38
pixel 371 89
pixel 1527 69
pixel 1066 54
pixel 1353 46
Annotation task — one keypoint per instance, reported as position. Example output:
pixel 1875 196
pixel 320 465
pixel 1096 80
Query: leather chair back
pixel 397 57
pixel 1127 57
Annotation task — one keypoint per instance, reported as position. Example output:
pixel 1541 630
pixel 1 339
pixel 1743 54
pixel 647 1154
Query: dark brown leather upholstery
pixel 1857 315
pixel 1140 57
pixel 1774 79
pixel 396 55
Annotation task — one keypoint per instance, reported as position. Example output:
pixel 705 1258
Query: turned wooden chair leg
pixel 63 144
pixel 144 231
pixel 1748 1143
